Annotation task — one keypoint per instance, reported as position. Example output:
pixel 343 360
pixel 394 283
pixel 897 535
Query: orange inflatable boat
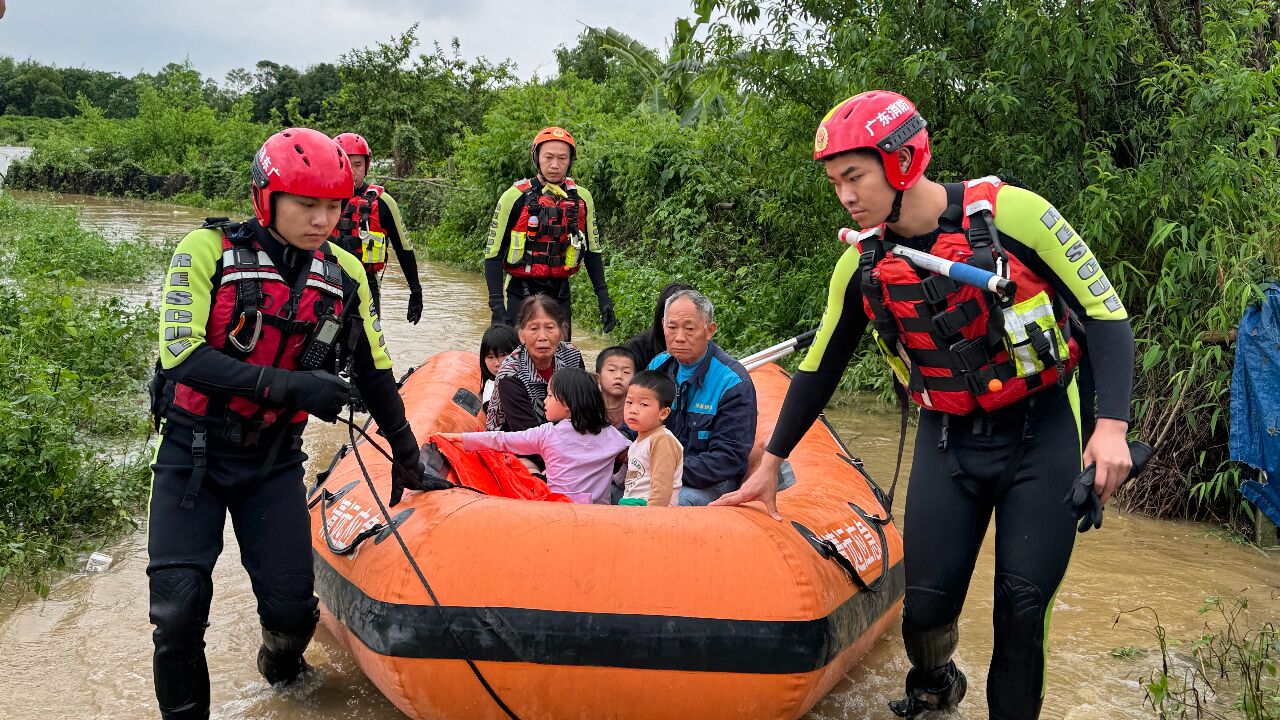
pixel 557 610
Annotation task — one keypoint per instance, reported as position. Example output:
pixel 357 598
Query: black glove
pixel 608 317
pixel 316 392
pixel 415 307
pixel 1085 503
pixel 407 469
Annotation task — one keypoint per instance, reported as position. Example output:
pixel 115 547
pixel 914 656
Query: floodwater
pixel 85 651
pixel 8 154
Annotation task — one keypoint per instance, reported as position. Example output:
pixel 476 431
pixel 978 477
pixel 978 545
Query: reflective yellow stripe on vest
pixel 373 247
pixel 1033 315
pixel 515 249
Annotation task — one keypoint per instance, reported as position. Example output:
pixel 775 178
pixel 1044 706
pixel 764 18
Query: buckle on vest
pixel 197 468
pixel 867 261
pixel 935 288
pixel 974 381
pixel 245 257
pixel 232 337
pixel 971 355
pixel 950 322
pixel 332 273
pixel 979 235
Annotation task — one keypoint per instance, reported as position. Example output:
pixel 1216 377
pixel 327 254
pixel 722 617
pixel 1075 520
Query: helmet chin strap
pixel 897 208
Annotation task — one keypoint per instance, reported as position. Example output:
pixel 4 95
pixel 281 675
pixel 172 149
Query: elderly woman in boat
pixel 519 398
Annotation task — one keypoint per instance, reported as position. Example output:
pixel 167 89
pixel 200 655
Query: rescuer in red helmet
pixel 995 377
pixel 255 324
pixel 370 222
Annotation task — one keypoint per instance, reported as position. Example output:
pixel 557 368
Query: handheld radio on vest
pixel 321 343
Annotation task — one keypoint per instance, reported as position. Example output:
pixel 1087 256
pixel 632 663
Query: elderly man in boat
pixel 714 415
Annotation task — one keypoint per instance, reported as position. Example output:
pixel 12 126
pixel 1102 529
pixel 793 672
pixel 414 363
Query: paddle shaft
pixel 779 351
pixel 960 272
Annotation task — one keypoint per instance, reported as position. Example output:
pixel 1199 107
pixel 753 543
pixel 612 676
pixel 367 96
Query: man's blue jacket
pixel 713 417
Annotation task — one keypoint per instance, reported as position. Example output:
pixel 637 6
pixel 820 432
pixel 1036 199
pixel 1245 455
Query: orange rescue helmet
pixel 548 134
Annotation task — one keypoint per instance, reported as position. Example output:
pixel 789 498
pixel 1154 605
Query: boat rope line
pixel 352 429
pixel 635 641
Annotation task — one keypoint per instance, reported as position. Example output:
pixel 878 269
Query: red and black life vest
pixel 359 231
pixel 955 347
pixel 548 239
pixel 258 318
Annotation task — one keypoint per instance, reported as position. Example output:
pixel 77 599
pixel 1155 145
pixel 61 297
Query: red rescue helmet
pixel 879 119
pixel 299 161
pixel 354 144
pixel 548 134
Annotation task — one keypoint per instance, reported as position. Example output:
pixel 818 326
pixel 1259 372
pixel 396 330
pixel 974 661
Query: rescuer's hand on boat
pixel 762 485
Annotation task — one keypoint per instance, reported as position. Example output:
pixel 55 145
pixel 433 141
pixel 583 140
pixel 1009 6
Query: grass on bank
pixel 74 362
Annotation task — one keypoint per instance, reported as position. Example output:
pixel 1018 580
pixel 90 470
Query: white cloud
pixel 219 35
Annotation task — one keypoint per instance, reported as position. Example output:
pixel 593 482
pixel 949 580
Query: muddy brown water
pixel 85 651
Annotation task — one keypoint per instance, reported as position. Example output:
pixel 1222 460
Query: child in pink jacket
pixel 577 444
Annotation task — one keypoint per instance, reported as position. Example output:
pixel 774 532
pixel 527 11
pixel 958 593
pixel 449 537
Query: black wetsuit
pixel 1017 463
pixel 257 480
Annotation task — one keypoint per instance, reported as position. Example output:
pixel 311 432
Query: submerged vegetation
pixel 1229 671
pixel 74 361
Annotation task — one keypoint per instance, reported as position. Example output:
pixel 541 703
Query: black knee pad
pixel 286 604
pixel 929 628
pixel 180 600
pixel 1020 609
pixel 1016 681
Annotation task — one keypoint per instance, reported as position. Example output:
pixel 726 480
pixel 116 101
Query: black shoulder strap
pixel 873 251
pixel 247 313
pixel 989 254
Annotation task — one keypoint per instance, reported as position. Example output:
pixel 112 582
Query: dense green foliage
pixel 74 361
pixel 186 137
pixel 1151 125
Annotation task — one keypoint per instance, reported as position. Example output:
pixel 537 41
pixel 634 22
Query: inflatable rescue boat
pixel 558 610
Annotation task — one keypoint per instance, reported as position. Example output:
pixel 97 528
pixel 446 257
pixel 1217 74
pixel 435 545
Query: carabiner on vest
pixel 253 341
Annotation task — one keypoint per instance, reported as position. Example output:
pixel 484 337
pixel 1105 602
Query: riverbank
pixel 74 360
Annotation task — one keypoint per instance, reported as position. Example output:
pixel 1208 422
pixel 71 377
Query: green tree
pixel 439 94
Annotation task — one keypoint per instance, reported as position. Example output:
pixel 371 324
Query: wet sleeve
pixel 1037 233
pixel 517 406
pixel 370 350
pixel 188 296
pixel 390 218
pixel 665 455
pixel 843 324
pixel 504 217
pixel 595 271
pixel 733 433
pixel 381 395
pixel 184 317
pixel 593 231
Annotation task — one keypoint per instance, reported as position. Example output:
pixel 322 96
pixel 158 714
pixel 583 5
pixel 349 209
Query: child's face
pixel 556 410
pixel 615 376
pixel 493 361
pixel 643 412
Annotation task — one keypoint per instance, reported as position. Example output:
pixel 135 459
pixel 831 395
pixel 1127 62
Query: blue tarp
pixel 1264 497
pixel 1255 397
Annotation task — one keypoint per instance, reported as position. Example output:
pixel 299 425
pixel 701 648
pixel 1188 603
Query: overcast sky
pixel 218 35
